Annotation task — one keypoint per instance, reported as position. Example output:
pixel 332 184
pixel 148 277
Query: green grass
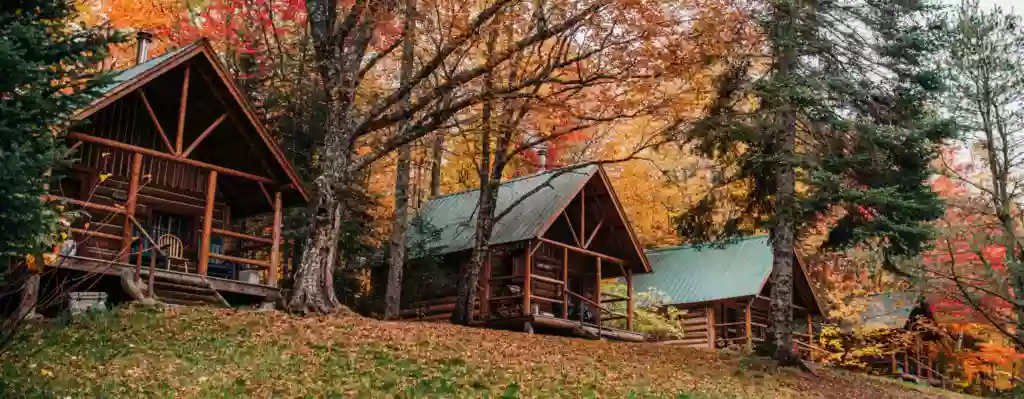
pixel 140 353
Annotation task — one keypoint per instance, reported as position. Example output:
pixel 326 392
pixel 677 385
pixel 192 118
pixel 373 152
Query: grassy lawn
pixel 203 352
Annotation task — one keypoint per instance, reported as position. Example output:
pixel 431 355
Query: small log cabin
pixel 726 294
pixel 905 322
pixel 563 233
pixel 173 155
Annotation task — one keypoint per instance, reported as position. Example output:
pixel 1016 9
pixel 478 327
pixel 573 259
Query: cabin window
pixel 169 223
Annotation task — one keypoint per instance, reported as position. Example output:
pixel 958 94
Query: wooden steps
pixel 185 290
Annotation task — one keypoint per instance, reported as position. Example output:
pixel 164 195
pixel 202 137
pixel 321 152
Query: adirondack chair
pixel 174 250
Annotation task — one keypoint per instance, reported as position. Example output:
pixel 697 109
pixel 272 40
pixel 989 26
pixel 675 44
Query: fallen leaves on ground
pixel 203 352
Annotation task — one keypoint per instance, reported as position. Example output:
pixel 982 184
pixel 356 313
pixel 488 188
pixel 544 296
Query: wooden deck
pixel 105 267
pixel 573 327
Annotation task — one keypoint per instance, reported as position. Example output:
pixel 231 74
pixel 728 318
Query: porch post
pixel 810 337
pixel 204 246
pixel 711 326
pixel 275 247
pixel 597 294
pixel 565 283
pixel 917 353
pixel 528 279
pixel 129 207
pixel 746 322
pixel 932 364
pixel 629 299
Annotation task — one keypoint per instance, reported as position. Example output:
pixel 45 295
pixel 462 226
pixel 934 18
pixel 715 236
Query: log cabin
pixel 906 325
pixel 563 232
pixel 725 293
pixel 180 184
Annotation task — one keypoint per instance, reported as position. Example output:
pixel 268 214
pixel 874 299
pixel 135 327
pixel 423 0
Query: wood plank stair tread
pixel 208 298
pixel 174 286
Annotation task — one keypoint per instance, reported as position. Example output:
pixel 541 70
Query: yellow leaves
pixel 30 263
pixel 104 177
pixel 45 373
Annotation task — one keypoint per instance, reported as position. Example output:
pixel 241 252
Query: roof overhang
pixel 176 58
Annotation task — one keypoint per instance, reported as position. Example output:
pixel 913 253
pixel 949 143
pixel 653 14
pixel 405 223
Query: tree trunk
pixel 783 230
pixel 29 296
pixel 399 223
pixel 470 274
pixel 435 166
pixel 313 289
pixel 338 56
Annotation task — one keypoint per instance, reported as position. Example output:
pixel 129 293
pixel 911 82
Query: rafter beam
pixel 205 133
pixel 593 233
pixel 156 122
pixel 162 155
pixel 179 139
pixel 238 123
pixel 267 194
pixel 572 230
pixel 582 250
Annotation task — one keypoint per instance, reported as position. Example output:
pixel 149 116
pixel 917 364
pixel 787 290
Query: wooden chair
pixel 174 249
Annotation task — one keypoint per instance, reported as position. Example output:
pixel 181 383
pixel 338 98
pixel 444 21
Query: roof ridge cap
pixel 515 179
pixel 690 246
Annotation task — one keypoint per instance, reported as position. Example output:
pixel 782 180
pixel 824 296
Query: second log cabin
pixel 559 235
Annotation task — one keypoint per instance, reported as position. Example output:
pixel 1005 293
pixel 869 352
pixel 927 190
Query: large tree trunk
pixel 783 231
pixel 313 289
pixel 339 51
pixel 469 276
pixel 399 224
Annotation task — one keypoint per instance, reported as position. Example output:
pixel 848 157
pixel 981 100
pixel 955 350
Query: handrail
pixel 920 366
pixel 546 279
pixel 242 236
pixel 254 262
pixel 599 307
pixel 812 347
pixel 84 204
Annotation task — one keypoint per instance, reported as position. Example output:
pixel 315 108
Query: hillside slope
pixel 200 352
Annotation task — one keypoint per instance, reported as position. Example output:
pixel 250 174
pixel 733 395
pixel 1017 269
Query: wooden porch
pixel 176 179
pixel 111 268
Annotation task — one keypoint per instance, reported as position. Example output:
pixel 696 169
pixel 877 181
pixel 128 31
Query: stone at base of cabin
pixel 135 289
pixel 265 307
pixel 150 302
pixel 80 302
pixel 249 276
pixel 528 328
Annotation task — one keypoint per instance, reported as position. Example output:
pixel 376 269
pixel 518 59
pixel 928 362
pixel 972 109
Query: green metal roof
pixel 127 75
pixel 533 200
pixel 692 274
pixel 889 310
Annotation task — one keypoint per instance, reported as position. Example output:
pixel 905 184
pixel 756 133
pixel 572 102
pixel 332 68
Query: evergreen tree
pixel 834 117
pixel 45 63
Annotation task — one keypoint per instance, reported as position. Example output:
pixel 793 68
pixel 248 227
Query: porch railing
pixel 205 254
